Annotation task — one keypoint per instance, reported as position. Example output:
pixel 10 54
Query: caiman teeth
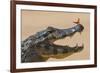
pixel 82 45
pixel 79 48
pixel 76 46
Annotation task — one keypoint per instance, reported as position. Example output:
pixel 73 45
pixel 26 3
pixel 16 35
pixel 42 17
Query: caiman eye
pixel 47 33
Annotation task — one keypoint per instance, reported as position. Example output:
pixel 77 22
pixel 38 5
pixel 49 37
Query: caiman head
pixel 47 37
pixel 40 47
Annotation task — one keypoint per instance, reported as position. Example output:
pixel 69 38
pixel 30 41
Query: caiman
pixel 40 45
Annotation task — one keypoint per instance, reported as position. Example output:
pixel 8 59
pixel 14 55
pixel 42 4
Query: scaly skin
pixel 36 46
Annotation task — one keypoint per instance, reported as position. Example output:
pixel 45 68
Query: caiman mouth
pixel 51 50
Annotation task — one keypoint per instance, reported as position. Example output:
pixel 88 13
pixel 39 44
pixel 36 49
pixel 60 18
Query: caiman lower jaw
pixel 60 50
pixel 71 51
pixel 74 49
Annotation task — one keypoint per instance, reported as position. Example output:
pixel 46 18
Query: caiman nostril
pixel 81 28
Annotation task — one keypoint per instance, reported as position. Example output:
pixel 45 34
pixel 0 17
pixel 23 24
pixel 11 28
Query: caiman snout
pixel 79 28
